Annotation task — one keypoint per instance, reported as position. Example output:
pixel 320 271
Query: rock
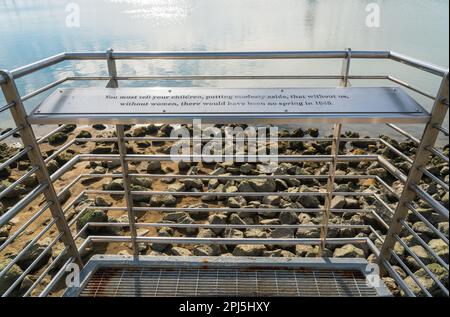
pixel 154 167
pixel 288 218
pixel 206 233
pixel 421 227
pixel 279 253
pixel 421 253
pixel 99 127
pixel 52 166
pixel 174 216
pixel 10 277
pixel 177 251
pixel 349 251
pixel 184 166
pixel 206 250
pixel 306 251
pixel 142 182
pixel 102 202
pixel 272 200
pixel 314 132
pixel 427 281
pixel 91 215
pixel 309 201
pixel 193 184
pixel 255 234
pixel 163 200
pixel 440 247
pixel 236 220
pixel 32 254
pixel 338 202
pixel 381 172
pixel 102 150
pixel 84 135
pixel 236 202
pixel 58 138
pixel 218 219
pixel 115 185
pixel 391 285
pixel 15 192
pixel 283 233
pixel 308 233
pixel 261 185
pixel 443 227
pixel 164 232
pixel 249 250
pixel 351 203
pixel 233 234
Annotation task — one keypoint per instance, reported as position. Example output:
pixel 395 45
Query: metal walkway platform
pixel 116 276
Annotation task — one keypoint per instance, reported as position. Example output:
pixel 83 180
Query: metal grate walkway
pixel 172 282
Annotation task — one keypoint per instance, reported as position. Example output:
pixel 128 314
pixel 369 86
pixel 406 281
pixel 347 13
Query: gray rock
pixel 288 218
pixel 174 216
pixel 279 253
pixel 32 254
pixel 236 220
pixel 177 251
pixel 116 184
pixel 91 215
pixel 154 167
pixel 237 202
pixel 308 233
pixel 272 200
pixel 309 201
pixel 255 234
pixel 443 227
pixel 233 233
pixel 260 185
pixel 421 227
pixel 283 233
pixel 163 232
pixel 349 251
pixel 249 250
pixel 427 281
pixel 10 277
pixel 338 202
pixel 440 247
pixel 206 250
pixel 193 184
pixel 206 233
pixel 218 219
pixel 163 200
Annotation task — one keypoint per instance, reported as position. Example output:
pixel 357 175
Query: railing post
pixel 112 70
pixel 422 158
pixel 335 154
pixel 19 115
pixel 127 187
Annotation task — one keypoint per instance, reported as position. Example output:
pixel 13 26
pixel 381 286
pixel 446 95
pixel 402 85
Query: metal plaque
pixel 228 105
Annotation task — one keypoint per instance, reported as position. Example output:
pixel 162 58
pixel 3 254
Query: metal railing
pixel 391 229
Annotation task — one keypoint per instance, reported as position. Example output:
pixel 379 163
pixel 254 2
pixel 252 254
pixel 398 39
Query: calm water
pixel 34 29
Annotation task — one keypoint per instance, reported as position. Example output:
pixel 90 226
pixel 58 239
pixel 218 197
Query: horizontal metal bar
pixel 6 107
pixel 424 244
pixel 226 55
pixel 19 206
pixel 18 182
pixel 230 241
pixel 423 266
pixel 434 178
pixel 44 89
pixel 406 85
pixel 219 226
pixel 442 129
pixel 430 200
pixel 429 224
pixel 249 77
pixel 32 265
pixel 433 69
pixel 437 153
pixel 45 137
pixel 36 215
pixel 15 157
pixel 225 194
pixel 392 169
pixel 404 133
pixel 83 78
pixel 9 133
pixel 41 64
